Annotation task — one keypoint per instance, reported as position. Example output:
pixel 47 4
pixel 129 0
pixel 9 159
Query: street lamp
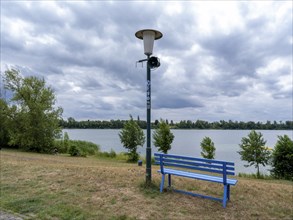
pixel 149 36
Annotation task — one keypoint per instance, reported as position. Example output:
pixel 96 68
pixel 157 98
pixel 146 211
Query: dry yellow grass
pixel 62 187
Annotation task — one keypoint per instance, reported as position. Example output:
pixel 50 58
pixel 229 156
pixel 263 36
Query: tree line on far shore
pixel 184 124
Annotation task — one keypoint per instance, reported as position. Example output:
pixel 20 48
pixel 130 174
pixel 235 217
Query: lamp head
pixel 148 36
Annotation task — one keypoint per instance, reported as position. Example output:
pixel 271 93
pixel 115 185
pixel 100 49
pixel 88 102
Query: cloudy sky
pixel 220 60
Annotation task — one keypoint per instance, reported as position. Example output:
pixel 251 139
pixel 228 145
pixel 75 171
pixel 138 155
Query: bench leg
pixel 225 195
pixel 169 180
pixel 162 183
pixel 228 192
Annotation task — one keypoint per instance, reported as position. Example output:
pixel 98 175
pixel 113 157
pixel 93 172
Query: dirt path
pixel 6 216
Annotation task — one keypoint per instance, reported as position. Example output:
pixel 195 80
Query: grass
pixel 254 176
pixel 61 187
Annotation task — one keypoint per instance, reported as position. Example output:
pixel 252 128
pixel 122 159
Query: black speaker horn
pixel 154 62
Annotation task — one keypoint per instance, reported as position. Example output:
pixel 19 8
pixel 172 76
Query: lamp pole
pixel 148 36
pixel 148 148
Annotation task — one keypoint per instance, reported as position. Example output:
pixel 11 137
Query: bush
pixel 207 148
pixel 58 144
pixel 282 158
pixel 132 136
pixel 112 154
pixel 153 162
pixel 253 150
pixel 163 137
pixel 122 156
pixel 132 157
pixel 84 147
pixel 103 154
pixel 74 151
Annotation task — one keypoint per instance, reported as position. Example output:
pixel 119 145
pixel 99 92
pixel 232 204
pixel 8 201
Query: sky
pixel 220 60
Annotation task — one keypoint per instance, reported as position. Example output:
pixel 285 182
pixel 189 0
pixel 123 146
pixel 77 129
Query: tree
pixel 253 150
pixel 4 111
pixel 163 137
pixel 34 120
pixel 207 148
pixel 132 136
pixel 282 158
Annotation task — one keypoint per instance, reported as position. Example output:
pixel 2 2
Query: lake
pixel 186 142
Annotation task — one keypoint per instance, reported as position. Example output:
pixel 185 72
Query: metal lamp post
pixel 148 36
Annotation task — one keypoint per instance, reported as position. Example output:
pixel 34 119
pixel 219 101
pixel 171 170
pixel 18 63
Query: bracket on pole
pixel 140 61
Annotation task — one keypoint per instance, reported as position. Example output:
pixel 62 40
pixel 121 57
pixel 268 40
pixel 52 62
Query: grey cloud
pixel 175 103
pixel 93 46
pixel 174 100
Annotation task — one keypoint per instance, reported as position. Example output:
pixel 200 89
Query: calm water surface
pixel 186 142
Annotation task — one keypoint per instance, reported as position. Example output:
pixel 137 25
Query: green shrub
pixel 282 158
pixel 74 151
pixel 85 147
pixel 112 154
pixel 59 146
pixel 122 156
pixel 152 160
pixel 132 136
pixel 207 148
pixel 132 157
pixel 76 147
pixel 103 154
pixel 163 137
pixel 253 150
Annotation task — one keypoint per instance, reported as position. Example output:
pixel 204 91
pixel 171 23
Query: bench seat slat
pixel 198 176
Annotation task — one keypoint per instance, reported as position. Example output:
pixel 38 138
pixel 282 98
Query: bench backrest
pixel 214 166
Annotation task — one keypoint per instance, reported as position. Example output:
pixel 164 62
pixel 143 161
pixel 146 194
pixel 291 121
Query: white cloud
pixel 219 60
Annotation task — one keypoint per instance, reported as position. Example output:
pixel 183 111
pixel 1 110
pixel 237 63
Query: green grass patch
pixel 122 217
pixel 151 190
pixel 61 187
pixel 63 211
pixel 25 205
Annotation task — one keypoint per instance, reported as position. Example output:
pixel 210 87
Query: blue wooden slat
pixel 195 159
pixel 192 167
pixel 198 168
pixel 217 179
pixel 177 164
pixel 201 163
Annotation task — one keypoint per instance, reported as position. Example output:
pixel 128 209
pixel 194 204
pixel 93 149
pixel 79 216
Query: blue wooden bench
pixel 186 166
